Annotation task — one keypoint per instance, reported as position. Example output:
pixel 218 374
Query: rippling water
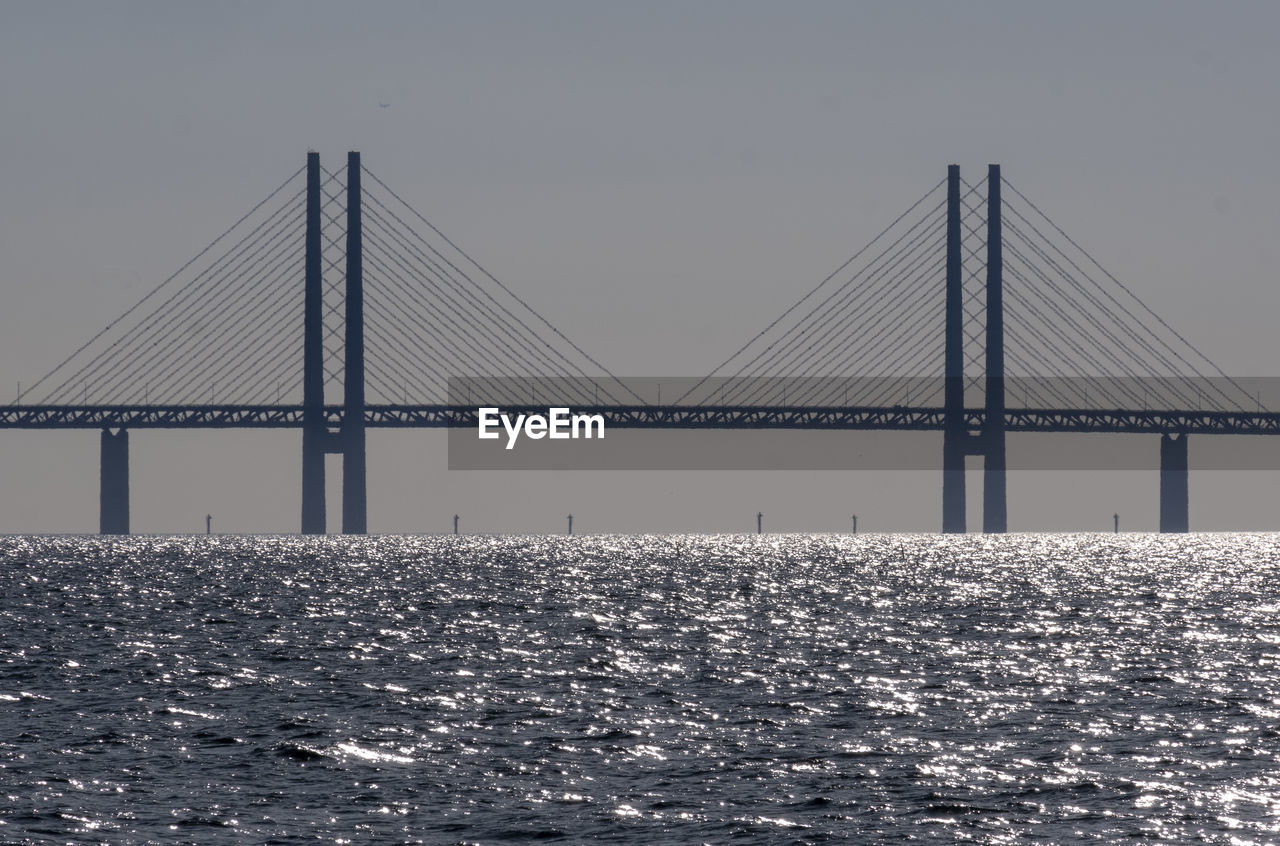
pixel 648 689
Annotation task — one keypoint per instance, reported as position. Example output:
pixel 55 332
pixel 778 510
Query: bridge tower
pixel 954 436
pixel 957 440
pixel 994 510
pixel 317 440
pixel 314 433
pixel 354 513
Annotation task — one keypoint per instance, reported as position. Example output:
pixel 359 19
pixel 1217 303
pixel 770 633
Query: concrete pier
pixel 1174 487
pixel 113 501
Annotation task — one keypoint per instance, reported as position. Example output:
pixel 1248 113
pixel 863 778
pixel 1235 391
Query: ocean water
pixel 643 689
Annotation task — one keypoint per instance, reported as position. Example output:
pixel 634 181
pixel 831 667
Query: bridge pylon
pixel 354 508
pixel 957 441
pixel 314 433
pixel 994 508
pixel 954 436
pixel 317 439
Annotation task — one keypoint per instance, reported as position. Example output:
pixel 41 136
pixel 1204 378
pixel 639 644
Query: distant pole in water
pixel 455 524
pixel 570 524
pixel 208 524
pixel 759 522
pixel 855 524
pixel 1116 517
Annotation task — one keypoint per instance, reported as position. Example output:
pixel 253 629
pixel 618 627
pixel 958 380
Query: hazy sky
pixel 659 179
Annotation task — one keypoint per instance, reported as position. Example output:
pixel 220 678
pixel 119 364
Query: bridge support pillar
pixel 113 496
pixel 354 506
pixel 954 435
pixel 994 507
pixel 1174 488
pixel 314 433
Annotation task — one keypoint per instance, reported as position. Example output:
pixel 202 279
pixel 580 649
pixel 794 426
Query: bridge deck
pixel 645 417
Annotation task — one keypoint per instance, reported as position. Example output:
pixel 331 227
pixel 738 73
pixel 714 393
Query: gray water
pixel 645 689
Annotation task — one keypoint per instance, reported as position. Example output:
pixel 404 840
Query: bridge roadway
pixel 900 418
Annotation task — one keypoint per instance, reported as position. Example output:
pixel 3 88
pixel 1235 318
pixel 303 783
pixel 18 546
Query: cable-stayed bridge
pixel 972 313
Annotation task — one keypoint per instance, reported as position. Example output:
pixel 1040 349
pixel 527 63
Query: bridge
pixel 334 283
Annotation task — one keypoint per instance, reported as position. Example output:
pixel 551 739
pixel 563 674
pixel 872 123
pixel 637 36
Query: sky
pixel 660 180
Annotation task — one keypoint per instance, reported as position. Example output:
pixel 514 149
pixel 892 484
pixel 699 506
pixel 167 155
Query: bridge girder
pixel 883 418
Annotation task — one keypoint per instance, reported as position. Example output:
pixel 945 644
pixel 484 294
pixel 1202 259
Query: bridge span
pixel 884 418
pixel 338 285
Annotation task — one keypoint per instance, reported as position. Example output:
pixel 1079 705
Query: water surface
pixel 647 689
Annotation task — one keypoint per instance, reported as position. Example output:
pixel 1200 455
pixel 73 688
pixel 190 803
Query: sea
pixel 646 689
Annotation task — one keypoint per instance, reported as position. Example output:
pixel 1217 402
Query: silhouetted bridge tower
pixel 989 442
pixel 971 291
pixel 349 439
